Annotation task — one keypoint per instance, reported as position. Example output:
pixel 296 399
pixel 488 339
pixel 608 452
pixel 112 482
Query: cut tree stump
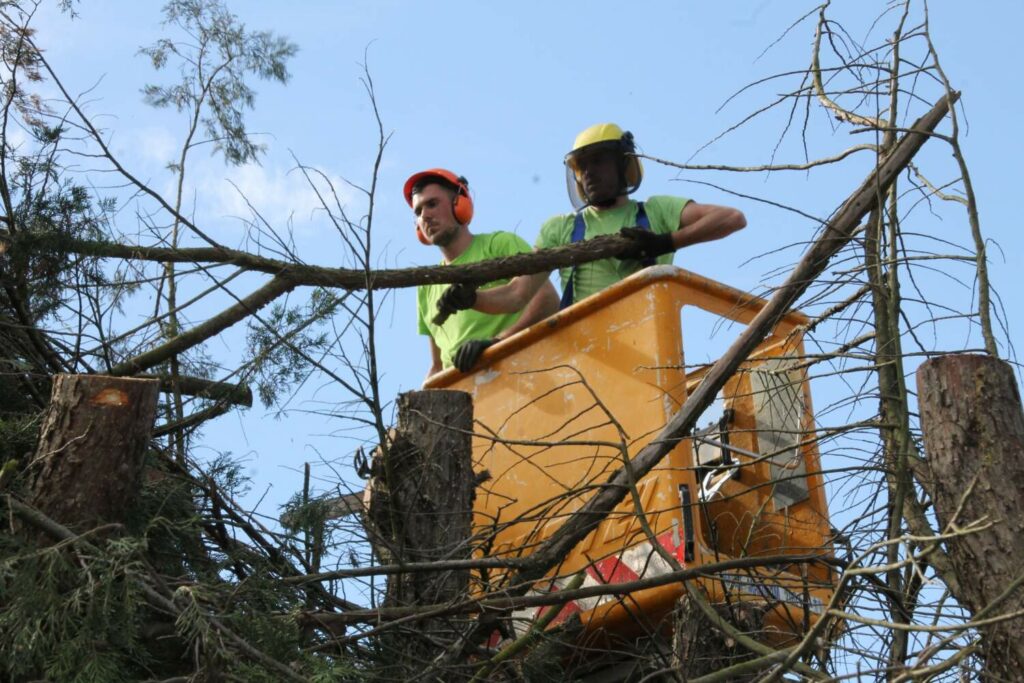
pixel 88 465
pixel 973 429
pixel 421 510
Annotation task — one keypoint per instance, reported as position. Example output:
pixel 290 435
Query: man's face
pixel 434 217
pixel 599 174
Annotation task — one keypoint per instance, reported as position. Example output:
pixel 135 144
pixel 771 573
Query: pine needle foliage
pixel 71 613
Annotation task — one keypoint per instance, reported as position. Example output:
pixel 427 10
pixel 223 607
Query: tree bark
pixel 89 461
pixel 421 510
pixel 973 428
pixel 699 649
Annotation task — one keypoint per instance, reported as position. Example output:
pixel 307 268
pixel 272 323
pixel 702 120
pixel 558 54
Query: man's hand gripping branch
pixel 458 297
pixel 645 244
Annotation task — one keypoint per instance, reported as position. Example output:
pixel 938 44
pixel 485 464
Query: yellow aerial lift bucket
pixel 559 405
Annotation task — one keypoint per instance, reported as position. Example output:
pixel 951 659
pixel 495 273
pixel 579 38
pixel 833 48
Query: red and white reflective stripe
pixel 637 562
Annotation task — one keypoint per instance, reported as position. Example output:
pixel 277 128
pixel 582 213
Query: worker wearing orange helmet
pixel 602 170
pixel 444 208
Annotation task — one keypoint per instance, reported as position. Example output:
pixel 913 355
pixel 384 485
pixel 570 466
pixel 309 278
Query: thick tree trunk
pixel 89 461
pixel 421 510
pixel 974 436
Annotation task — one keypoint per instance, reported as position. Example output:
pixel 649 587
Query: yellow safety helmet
pixel 595 138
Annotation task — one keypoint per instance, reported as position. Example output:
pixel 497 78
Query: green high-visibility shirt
pixel 662 212
pixel 466 325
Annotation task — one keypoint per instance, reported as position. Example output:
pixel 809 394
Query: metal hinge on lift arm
pixel 713 455
pixel 715 462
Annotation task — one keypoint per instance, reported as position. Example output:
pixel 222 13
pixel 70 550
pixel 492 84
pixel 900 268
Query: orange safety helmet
pixel 462 203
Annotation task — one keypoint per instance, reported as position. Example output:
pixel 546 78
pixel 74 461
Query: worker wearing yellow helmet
pixel 602 170
pixel 617 147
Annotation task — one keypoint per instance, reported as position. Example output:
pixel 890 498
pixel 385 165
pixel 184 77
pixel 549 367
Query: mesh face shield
pixel 630 171
pixel 573 186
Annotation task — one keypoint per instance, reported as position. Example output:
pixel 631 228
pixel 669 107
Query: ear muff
pixel 633 171
pixel 462 205
pixel 421 237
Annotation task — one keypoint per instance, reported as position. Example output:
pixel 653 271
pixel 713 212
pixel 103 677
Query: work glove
pixel 469 353
pixel 646 244
pixel 457 297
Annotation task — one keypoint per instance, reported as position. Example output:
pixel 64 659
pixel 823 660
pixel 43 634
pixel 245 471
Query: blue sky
pixel 497 92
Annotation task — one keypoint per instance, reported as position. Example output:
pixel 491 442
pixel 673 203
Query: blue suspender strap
pixel 641 217
pixel 579 227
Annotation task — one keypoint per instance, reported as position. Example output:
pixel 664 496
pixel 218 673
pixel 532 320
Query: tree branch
pixel 351 279
pixel 200 333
